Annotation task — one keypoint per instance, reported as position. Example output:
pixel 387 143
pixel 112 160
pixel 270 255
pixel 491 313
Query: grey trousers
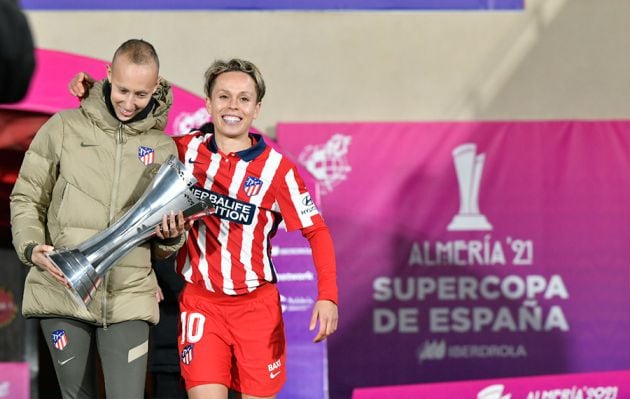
pixel 122 348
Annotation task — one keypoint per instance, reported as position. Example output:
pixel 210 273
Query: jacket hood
pixel 96 109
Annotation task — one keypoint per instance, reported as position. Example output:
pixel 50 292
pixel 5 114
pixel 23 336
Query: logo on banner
pixel 327 162
pixel 187 121
pixel 5 389
pixel 440 350
pixel 296 304
pixel 493 392
pixel 432 350
pixel 300 276
pixel 469 167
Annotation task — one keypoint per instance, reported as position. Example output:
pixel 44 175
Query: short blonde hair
pixel 234 65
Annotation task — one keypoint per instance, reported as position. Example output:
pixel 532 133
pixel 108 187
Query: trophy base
pixel 79 272
pixel 469 222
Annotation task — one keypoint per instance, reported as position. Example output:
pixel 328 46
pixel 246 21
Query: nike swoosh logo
pixel 190 160
pixel 274 375
pixel 84 144
pixel 65 361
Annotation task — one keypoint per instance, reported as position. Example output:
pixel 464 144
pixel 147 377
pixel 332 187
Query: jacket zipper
pixel 114 196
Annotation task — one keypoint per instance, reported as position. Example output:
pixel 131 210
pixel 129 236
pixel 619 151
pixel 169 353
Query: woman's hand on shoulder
pixel 80 85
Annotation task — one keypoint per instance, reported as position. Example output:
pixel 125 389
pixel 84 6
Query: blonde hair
pixel 234 65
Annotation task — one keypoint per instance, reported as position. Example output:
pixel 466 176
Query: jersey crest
pixel 59 339
pixel 146 155
pixel 187 354
pixel 252 186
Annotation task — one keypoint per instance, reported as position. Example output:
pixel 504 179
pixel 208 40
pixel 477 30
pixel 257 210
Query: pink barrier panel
pixel 14 381
pixel 608 385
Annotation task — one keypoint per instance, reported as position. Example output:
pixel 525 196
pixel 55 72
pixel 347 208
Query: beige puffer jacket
pixel 81 173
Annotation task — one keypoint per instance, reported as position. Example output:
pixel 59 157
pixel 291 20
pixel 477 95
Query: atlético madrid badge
pixel 8 308
pixel 146 155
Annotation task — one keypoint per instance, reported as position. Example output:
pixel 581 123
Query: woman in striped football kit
pixel 231 334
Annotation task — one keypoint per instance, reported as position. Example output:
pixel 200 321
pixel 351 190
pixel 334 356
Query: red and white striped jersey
pixel 252 191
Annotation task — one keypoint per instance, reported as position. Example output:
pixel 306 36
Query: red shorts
pixel 236 341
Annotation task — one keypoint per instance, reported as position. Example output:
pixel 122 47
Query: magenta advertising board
pixel 602 385
pixel 14 380
pixel 474 250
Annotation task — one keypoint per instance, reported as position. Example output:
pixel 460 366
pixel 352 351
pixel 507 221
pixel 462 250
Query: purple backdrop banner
pixel 273 4
pixel 307 366
pixel 474 250
pixel 307 373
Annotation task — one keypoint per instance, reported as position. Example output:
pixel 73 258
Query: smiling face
pixel 132 86
pixel 233 104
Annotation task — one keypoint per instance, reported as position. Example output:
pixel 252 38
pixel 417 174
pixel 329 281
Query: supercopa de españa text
pixel 515 297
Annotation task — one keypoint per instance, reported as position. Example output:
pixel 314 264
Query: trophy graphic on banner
pixel 468 167
pixel 85 265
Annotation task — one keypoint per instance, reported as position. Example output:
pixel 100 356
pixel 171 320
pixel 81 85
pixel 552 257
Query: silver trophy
pixel 170 190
